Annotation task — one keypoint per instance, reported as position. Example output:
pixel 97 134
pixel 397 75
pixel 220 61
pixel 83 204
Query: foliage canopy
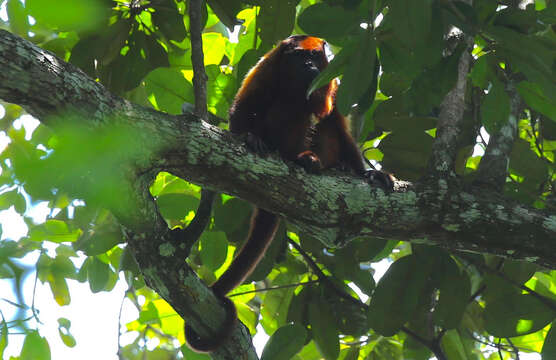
pixel 397 60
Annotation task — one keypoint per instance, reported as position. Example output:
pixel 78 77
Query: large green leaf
pixel 455 290
pixel 406 153
pixel 35 347
pixel 98 274
pixel 214 249
pixel 396 296
pixel 276 20
pixel 526 163
pixel 176 206
pixel 535 97
pixel 285 343
pixel 168 89
pixel 170 22
pixel 453 346
pixel 358 73
pixel 516 315
pixel 495 108
pixel 67 15
pixel 324 329
pixel 327 21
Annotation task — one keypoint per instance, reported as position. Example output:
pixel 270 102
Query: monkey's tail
pixel 263 227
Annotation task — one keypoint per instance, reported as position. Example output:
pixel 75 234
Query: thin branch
pixel 277 287
pixel 197 58
pixel 493 168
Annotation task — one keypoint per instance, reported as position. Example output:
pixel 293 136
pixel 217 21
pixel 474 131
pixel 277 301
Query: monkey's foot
pixel 310 162
pixel 256 144
pixel 382 179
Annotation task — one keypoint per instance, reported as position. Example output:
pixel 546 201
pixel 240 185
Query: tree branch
pixel 493 168
pixel 334 207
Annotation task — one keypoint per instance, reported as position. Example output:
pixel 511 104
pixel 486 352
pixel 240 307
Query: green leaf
pixel 285 343
pixel 357 76
pixel 19 23
pixel 60 290
pixel 335 68
pixel 536 98
pixel 3 337
pixel 149 315
pixel 525 162
pixel 298 309
pixel 54 230
pixel 519 271
pixel 68 15
pixel 168 89
pixel 396 295
pixel 170 22
pixel 453 347
pixel 390 115
pixel 231 215
pixel 276 303
pixel 549 347
pixel 176 206
pixel 431 86
pixel 411 21
pixel 98 274
pixel 324 329
pixel 480 73
pixel 6 271
pixel 406 153
pixel 327 21
pixel 35 347
pixel 495 108
pixel 64 332
pixel 214 249
pixel 276 20
pixel 455 290
pixel 516 315
pixel 226 10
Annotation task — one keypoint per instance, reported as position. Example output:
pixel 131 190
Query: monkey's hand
pixel 256 144
pixel 382 179
pixel 310 162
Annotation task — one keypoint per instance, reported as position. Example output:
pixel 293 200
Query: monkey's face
pixel 298 68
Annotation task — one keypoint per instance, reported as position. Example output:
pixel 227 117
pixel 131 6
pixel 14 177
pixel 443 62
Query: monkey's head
pixel 303 58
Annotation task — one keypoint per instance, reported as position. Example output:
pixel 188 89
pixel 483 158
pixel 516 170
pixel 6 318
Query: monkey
pixel 272 110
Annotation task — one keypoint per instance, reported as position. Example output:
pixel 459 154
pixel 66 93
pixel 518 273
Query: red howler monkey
pixel 273 110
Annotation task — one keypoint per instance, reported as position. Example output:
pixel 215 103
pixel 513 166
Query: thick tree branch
pixel 333 207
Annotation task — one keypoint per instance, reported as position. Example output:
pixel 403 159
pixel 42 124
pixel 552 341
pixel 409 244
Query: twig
pixel 278 287
pixel 323 278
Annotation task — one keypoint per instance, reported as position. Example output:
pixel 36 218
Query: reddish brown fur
pixel 272 105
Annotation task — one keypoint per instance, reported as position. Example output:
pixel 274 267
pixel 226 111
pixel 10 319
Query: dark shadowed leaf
pixel 396 296
pixel 324 329
pixel 285 343
pixel 516 315
pixel 495 108
pixel 327 21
